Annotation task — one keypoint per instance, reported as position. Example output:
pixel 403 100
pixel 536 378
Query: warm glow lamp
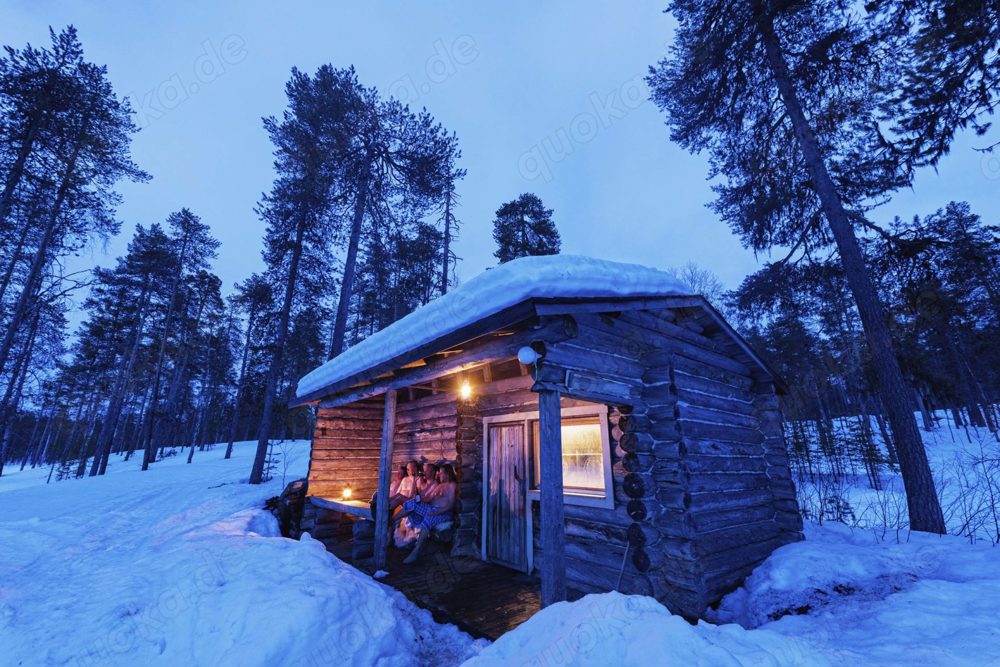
pixel 465 391
pixel 346 493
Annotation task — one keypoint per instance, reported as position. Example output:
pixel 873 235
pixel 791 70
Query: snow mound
pixel 804 577
pixel 616 629
pixel 250 523
pixel 933 599
pixel 490 292
pixel 177 566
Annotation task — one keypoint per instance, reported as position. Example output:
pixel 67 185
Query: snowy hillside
pixel 178 566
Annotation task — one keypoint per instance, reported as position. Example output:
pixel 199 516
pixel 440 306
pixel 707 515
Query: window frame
pixel 578 497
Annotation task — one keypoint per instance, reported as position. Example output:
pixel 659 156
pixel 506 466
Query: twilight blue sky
pixel 546 98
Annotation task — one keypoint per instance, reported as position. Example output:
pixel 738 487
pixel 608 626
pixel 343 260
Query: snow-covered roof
pixel 489 293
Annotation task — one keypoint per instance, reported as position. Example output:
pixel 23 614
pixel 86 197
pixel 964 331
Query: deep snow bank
pixel 177 566
pixel 837 598
pixel 174 566
pixel 616 629
pixel 931 600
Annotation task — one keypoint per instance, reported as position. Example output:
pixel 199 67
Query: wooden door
pixel 506 490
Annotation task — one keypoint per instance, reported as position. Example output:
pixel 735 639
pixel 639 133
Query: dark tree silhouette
pixel 524 227
pixel 786 98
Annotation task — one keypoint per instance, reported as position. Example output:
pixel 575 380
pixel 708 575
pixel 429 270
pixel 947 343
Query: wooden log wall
pixel 711 444
pixel 436 428
pixel 702 486
pixel 442 428
pixel 607 549
pixel 345 450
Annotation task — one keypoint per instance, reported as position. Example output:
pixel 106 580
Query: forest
pixel 361 224
pixel 869 324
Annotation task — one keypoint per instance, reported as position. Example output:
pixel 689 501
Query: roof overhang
pixel 499 336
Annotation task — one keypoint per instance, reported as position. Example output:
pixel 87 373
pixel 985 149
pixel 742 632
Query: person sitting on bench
pixel 404 533
pixel 408 486
pixel 433 508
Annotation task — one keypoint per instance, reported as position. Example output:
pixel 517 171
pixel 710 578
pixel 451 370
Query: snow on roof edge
pixel 490 292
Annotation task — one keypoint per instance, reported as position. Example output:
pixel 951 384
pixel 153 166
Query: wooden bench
pixel 358 508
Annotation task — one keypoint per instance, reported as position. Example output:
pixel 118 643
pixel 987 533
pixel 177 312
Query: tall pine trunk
pixel 16 172
pixel 12 397
pixel 921 496
pixel 274 371
pixel 446 251
pixel 151 416
pixel 103 448
pixel 41 253
pixel 14 260
pixel 176 386
pixel 37 264
pixel 350 265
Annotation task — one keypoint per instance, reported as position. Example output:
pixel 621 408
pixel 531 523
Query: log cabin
pixel 609 429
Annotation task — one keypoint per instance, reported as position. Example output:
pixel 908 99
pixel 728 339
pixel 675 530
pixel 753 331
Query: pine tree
pixel 524 227
pixel 449 223
pixel 942 276
pixel 786 99
pixel 298 210
pixel 69 135
pixel 120 308
pixel 406 164
pixel 193 248
pixel 253 299
pixel 951 77
pixel 343 153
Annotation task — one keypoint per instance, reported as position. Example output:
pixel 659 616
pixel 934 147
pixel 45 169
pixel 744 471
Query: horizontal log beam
pixel 495 348
pixel 503 319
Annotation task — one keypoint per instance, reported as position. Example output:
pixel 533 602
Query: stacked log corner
pixel 608 548
pixel 703 492
pixel 468 465
pixel 725 499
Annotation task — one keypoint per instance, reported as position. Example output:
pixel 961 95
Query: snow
pixel 179 566
pixel 966 472
pixel 930 600
pixel 837 598
pixel 551 276
pixel 616 629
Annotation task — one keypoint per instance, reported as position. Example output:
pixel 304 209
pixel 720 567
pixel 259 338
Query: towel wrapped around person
pixel 432 507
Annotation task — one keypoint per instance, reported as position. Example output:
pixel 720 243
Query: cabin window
pixel 585 461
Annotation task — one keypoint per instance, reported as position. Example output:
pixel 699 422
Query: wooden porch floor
pixel 482 599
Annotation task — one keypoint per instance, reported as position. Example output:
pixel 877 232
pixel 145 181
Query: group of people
pixel 424 497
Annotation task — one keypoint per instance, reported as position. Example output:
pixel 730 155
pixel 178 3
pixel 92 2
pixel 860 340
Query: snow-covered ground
pixel 965 462
pixel 179 566
pixel 838 598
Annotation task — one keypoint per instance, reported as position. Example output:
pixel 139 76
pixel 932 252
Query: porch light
pixel 465 391
pixel 346 493
pixel 527 355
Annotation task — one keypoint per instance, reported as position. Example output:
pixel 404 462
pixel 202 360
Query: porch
pixel 480 598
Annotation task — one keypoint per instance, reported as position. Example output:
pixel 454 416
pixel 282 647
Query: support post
pixel 384 476
pixel 553 567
